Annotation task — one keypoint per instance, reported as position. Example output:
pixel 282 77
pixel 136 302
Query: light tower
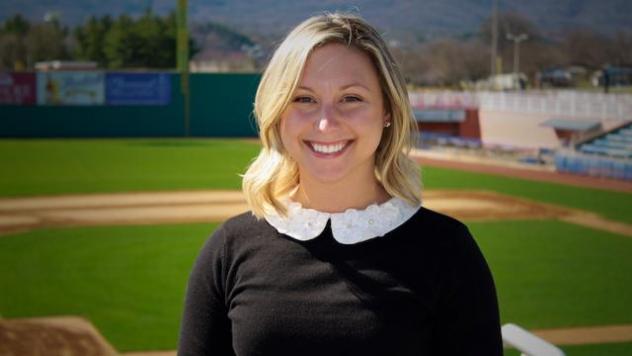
pixel 516 50
pixel 182 39
pixel 494 29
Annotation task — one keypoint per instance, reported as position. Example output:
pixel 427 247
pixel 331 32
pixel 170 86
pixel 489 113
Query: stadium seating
pixel 617 143
pixel 443 139
pixel 608 155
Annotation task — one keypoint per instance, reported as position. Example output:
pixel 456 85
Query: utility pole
pixel 494 53
pixel 183 60
pixel 516 49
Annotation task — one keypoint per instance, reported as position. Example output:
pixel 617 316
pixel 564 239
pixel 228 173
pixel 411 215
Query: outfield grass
pixel 34 167
pixel 613 205
pixel 554 274
pixel 129 281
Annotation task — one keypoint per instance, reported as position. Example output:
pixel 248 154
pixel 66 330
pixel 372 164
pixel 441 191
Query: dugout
pixel 570 132
pixel 462 123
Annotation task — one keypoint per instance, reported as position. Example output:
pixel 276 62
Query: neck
pixel 336 197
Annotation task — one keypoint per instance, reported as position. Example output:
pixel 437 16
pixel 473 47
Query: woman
pixel 337 257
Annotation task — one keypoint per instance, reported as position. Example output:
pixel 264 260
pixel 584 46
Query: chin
pixel 325 176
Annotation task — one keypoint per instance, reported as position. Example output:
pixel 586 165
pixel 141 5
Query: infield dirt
pixel 24 214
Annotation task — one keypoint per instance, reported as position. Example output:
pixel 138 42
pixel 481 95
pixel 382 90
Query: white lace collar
pixel 349 227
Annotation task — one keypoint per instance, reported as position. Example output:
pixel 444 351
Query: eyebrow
pixel 347 86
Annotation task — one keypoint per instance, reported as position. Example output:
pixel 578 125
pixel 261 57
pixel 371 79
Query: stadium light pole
pixel 516 50
pixel 494 29
pixel 182 39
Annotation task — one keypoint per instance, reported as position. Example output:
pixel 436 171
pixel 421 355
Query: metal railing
pixel 562 103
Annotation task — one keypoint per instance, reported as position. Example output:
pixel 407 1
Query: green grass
pixel 129 281
pixel 616 349
pixel 613 205
pixel 34 167
pixel 553 274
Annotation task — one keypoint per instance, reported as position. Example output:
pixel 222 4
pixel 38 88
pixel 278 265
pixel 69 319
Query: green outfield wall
pixel 220 106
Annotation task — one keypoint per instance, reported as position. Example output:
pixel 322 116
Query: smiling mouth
pixel 328 148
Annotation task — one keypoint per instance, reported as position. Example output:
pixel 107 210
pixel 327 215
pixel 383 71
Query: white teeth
pixel 328 148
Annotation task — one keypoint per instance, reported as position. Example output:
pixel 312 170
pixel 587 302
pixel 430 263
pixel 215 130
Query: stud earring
pixel 387 124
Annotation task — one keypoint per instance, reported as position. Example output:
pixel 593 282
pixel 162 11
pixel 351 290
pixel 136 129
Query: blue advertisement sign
pixel 137 89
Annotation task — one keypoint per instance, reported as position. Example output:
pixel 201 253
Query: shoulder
pixel 433 221
pixel 451 250
pixel 242 229
pixel 236 233
pixel 242 223
pixel 452 242
pixel 439 232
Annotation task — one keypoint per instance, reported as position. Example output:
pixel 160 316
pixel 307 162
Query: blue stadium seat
pixel 616 144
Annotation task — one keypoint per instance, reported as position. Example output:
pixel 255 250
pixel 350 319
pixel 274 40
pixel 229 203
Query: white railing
pixel 527 343
pixel 562 103
pixel 443 99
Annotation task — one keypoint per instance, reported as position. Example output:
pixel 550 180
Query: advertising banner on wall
pixel 70 88
pixel 17 88
pixel 138 89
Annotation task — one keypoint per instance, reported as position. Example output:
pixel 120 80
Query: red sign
pixel 17 89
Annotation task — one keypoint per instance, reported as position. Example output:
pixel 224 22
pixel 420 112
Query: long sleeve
pixel 205 328
pixel 468 321
pixel 422 289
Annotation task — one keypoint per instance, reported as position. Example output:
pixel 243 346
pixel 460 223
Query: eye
pixel 352 98
pixel 303 100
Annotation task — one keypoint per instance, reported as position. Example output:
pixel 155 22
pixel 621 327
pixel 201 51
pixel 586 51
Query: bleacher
pixel 429 139
pixel 607 155
pixel 617 143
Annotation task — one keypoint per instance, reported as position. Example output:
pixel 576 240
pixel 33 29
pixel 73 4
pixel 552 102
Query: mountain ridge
pixel 406 20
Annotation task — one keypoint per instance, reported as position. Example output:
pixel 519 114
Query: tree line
pixel 148 41
pixel 449 61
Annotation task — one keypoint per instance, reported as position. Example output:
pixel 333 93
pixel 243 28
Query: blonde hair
pixel 273 174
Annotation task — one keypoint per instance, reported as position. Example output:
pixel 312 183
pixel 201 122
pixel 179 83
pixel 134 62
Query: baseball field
pixel 108 230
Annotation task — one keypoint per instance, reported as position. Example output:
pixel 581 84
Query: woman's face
pixel 335 119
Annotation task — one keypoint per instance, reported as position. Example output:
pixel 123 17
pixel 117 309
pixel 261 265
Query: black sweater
pixel 421 289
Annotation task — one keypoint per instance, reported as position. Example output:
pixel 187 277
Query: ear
pixel 387 118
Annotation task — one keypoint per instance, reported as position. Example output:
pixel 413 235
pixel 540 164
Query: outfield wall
pixel 220 106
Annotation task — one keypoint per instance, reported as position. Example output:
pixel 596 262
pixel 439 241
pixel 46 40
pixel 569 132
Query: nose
pixel 324 123
pixel 327 119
